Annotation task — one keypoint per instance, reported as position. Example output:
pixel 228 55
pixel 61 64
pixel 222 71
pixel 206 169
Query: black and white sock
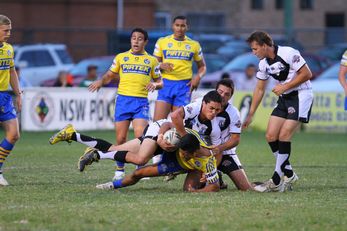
pixel 92 142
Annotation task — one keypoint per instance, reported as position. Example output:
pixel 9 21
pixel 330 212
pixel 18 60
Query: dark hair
pixel 226 82
pixel 179 17
pixel 189 143
pixel 261 38
pixel 140 30
pixel 250 65
pixel 212 96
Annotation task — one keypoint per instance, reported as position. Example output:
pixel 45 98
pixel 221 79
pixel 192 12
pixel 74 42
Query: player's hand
pixel 190 188
pixel 279 89
pixel 164 144
pixel 95 86
pixel 19 102
pixel 247 122
pixel 168 67
pixel 151 87
pixel 203 178
pixel 194 83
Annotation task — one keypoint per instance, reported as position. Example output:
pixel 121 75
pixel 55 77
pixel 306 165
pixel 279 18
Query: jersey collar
pixel 143 53
pixel 173 37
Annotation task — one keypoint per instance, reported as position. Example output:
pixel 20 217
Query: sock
pixel 281 161
pixel 120 166
pixel 117 183
pixel 288 170
pixel 5 149
pixel 274 147
pixel 107 155
pixel 99 144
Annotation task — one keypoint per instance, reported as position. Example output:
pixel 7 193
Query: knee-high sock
pixel 5 149
pixel 282 159
pixel 92 142
pixel 114 155
pixel 288 170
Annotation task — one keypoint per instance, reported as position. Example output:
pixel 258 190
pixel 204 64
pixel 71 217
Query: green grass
pixel 48 193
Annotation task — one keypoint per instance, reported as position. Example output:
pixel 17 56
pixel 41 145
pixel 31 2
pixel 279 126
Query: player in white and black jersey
pixel 229 122
pixel 201 117
pixel 287 66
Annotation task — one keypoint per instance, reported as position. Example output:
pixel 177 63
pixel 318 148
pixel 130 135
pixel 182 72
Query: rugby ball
pixel 172 136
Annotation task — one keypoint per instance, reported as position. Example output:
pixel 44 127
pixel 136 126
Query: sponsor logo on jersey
pixel 188 47
pixel 178 54
pixel 197 163
pixel 9 52
pixel 146 61
pixel 169 45
pixel 135 68
pixel 238 124
pixel 5 64
pixel 126 59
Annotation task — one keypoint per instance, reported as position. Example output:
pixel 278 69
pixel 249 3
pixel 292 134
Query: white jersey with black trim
pixel 229 122
pixel 344 59
pixel 208 130
pixel 283 67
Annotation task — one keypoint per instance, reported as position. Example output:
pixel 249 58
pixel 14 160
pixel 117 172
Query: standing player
pixel 176 54
pixel 286 65
pixel 138 73
pixel 8 76
pixel 342 75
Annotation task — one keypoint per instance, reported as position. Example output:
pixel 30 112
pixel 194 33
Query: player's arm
pixel 342 77
pixel 161 141
pixel 303 74
pixel 232 142
pixel 177 117
pixel 208 188
pixel 194 84
pixel 258 94
pixel 16 88
pixel 106 78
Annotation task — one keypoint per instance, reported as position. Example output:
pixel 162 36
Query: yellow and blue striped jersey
pixel 180 53
pixel 6 62
pixel 205 164
pixel 135 71
pixel 344 59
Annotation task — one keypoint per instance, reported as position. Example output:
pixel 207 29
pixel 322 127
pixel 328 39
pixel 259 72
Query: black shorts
pixel 296 105
pixel 229 164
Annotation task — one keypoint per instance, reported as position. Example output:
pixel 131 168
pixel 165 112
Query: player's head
pixel 179 26
pixel 225 88
pixel 189 143
pixel 138 39
pixel 211 105
pixel 260 43
pixel 5 28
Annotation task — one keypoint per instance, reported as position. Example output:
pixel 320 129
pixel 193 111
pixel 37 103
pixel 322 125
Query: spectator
pixel 62 80
pixel 247 81
pixel 91 76
pixel 342 75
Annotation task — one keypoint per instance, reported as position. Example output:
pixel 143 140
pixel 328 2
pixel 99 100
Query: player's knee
pixel 121 140
pixel 137 174
pixel 270 137
pixel 12 138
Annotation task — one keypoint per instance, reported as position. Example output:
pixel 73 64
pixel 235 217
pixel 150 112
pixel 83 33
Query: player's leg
pixel 121 128
pixel 139 125
pixel 231 166
pixel 11 129
pixel 131 179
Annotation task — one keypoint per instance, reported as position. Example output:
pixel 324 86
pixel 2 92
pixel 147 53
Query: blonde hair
pixel 4 20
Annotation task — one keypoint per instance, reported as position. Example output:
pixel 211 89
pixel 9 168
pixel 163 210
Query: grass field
pixel 48 193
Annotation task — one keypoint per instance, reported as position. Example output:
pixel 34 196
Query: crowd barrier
pixel 47 109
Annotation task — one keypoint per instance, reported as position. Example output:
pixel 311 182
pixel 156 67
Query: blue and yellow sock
pixel 5 149
pixel 117 183
pixel 120 166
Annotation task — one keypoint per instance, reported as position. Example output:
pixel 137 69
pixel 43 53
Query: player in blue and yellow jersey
pixel 191 155
pixel 176 53
pixel 8 77
pixel 138 73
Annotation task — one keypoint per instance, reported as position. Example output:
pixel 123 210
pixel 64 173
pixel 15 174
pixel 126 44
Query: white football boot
pixel 3 181
pixel 106 186
pixel 269 186
pixel 289 181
